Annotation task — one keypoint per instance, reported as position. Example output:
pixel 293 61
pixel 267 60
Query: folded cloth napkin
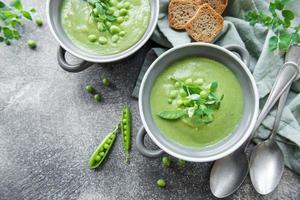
pixel 264 66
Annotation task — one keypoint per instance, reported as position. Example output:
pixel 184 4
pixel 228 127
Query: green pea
pixel 110 10
pixel 108 23
pixel 123 12
pixel 166 161
pixel 105 82
pixel 124 121
pixel 188 81
pixel 122 33
pixel 181 162
pixel 177 84
pixel 105 146
pixel 203 94
pixel 170 101
pixel 114 29
pixel 126 18
pixel 100 26
pixel 126 5
pixel 108 141
pixel 39 22
pixel 161 182
pixel 125 126
pixel 113 3
pixel 119 5
pixel 97 97
pixel 31 44
pixel 92 38
pixel 199 81
pixel 97 158
pixel 115 38
pixel 102 150
pixel 125 138
pixel 120 19
pixel 179 102
pixel 173 94
pixel 90 89
pixel 182 93
pixel 102 40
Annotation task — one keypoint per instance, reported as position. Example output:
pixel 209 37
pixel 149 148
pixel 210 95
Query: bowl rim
pixel 229 150
pixel 110 57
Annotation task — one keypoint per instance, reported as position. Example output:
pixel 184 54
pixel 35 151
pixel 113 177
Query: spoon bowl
pixel 267 165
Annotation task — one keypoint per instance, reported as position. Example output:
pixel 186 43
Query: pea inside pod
pixel 126 130
pixel 102 150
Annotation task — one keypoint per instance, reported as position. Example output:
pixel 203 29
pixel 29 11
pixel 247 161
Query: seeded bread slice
pixel 181 11
pixel 217 5
pixel 205 25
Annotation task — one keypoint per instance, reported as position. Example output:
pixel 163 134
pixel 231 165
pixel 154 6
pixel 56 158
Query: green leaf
pixel 100 9
pixel 111 18
pixel 8 33
pixel 172 114
pixel 2 4
pixel 273 43
pixel 287 14
pixel 284 40
pixel 1 39
pixel 213 86
pixel 17 4
pixel 26 14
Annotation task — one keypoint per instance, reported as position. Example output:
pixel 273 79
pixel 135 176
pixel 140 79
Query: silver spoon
pixel 229 173
pixel 267 161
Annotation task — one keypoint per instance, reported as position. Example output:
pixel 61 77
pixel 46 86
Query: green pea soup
pixel 78 25
pixel 226 118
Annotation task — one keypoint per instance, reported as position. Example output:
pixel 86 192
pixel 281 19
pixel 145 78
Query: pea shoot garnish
pixel 280 21
pixel 194 101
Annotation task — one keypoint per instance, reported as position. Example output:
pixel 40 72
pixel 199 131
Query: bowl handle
pixel 70 67
pixel 140 144
pixel 243 53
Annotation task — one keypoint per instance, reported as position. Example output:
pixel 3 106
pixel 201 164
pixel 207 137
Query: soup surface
pixel 226 118
pixel 78 24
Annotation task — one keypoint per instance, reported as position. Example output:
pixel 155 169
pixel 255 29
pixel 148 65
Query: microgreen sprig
pixel 11 17
pixel 280 21
pixel 195 101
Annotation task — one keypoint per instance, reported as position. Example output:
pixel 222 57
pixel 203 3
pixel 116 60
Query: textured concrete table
pixel 49 126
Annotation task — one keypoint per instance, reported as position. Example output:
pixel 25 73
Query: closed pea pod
pixel 126 130
pixel 101 152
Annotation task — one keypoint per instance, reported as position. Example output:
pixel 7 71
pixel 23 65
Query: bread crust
pixel 218 5
pixel 205 25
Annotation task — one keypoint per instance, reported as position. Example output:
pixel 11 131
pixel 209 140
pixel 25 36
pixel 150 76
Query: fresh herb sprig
pixel 280 21
pixel 194 101
pixel 12 17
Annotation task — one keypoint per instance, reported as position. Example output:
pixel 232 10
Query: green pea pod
pixel 126 130
pixel 101 152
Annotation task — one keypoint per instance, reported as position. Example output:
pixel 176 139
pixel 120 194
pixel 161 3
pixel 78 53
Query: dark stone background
pixel 49 126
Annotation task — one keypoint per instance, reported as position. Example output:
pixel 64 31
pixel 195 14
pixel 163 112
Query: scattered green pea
pixel 126 130
pixel 123 12
pixel 173 94
pixel 98 156
pixel 203 94
pixel 122 33
pixel 92 38
pixel 114 29
pixel 166 161
pixel 161 182
pixel 105 82
pixel 181 162
pixel 33 10
pixel 31 44
pixel 39 22
pixel 188 81
pixel 90 89
pixel 120 19
pixel 97 97
pixel 115 38
pixel 102 40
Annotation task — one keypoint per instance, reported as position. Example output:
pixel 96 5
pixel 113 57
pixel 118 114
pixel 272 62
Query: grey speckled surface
pixel 49 126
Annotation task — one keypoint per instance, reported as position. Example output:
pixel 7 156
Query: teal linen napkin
pixel 264 66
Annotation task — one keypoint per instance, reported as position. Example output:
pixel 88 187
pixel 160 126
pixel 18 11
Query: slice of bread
pixel 205 25
pixel 217 5
pixel 181 11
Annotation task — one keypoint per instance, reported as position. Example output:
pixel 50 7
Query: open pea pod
pixel 102 150
pixel 126 130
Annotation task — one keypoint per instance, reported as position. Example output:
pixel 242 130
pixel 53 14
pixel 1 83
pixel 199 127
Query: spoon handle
pixel 280 108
